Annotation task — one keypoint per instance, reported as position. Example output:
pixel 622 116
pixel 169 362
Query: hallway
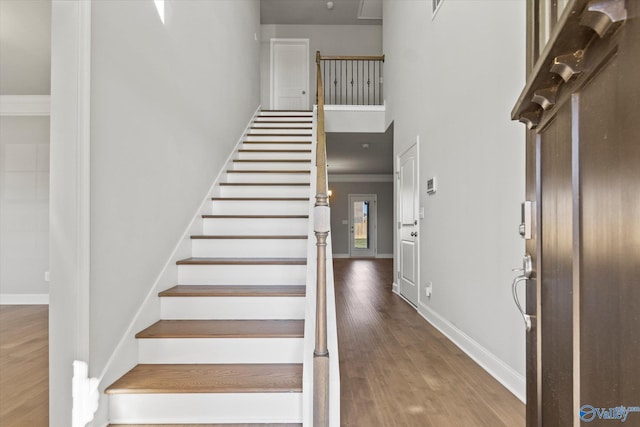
pixel 397 370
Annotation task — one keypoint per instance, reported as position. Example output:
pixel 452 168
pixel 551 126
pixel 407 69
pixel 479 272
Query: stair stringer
pixel 125 355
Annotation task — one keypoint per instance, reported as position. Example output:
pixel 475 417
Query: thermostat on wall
pixel 431 185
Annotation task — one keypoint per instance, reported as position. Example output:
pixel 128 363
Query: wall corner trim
pixel 24 299
pixel 25 105
pixel 503 373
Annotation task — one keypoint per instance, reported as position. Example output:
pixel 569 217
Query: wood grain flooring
pixel 271 378
pixel 24 365
pixel 397 370
pixel 205 425
pixel 224 329
pixel 235 291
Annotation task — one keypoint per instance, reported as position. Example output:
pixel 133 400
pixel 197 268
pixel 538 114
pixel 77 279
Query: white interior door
pixel 408 223
pixel 290 74
pixel 363 225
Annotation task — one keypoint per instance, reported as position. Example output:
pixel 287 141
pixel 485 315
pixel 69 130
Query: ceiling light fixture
pixel 330 5
pixel 365 146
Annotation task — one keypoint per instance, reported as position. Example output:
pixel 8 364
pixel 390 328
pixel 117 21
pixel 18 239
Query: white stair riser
pixel 255 226
pixel 268 177
pixel 283 122
pixel 242 274
pixel 232 308
pixel 253 207
pixel 264 191
pixel 286 113
pixel 252 248
pixel 244 166
pixel 203 408
pixel 280 131
pixel 278 138
pixel 220 350
pixel 275 146
pixel 275 155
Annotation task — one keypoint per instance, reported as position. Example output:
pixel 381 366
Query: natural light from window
pixel 160 8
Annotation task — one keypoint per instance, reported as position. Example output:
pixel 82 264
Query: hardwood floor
pixel 24 365
pixel 397 370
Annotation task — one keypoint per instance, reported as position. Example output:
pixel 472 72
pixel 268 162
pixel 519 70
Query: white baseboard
pixel 341 256
pixel 395 288
pixel 385 256
pixel 507 376
pixel 24 299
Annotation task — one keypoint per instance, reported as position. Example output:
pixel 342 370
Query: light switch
pixel 345 222
pixel 421 212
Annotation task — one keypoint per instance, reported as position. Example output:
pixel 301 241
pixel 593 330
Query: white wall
pixel 24 209
pixel 25 68
pixel 340 232
pixel 328 39
pixel 453 81
pixel 25 47
pixel 168 103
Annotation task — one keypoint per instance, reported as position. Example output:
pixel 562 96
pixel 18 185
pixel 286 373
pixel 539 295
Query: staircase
pixel 229 346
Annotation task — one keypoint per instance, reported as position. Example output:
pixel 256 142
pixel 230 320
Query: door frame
pixel 583 388
pixel 398 213
pixel 373 225
pixel 272 87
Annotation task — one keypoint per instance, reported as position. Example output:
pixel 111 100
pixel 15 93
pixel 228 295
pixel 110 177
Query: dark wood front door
pixel 581 105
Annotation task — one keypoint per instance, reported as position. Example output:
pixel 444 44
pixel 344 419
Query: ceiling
pixel 315 12
pixel 346 155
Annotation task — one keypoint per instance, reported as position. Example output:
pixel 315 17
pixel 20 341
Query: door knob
pixel 304 92
pixel 527 272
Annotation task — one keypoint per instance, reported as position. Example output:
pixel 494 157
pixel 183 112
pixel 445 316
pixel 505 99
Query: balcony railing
pixel 352 80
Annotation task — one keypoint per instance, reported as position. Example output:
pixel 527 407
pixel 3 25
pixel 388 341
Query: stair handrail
pixel 321 231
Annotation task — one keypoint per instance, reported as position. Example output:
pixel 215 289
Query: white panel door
pixel 408 223
pixel 290 74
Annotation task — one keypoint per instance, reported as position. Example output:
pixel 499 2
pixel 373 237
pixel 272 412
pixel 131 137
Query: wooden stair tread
pixel 209 378
pixel 266 184
pixel 285 111
pixel 261 199
pixel 277 142
pixel 235 291
pixel 206 425
pixel 299 135
pixel 273 151
pixel 269 171
pixel 272 161
pixel 257 216
pixel 224 329
pixel 284 121
pixel 248 237
pixel 243 261
pixel 281 127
